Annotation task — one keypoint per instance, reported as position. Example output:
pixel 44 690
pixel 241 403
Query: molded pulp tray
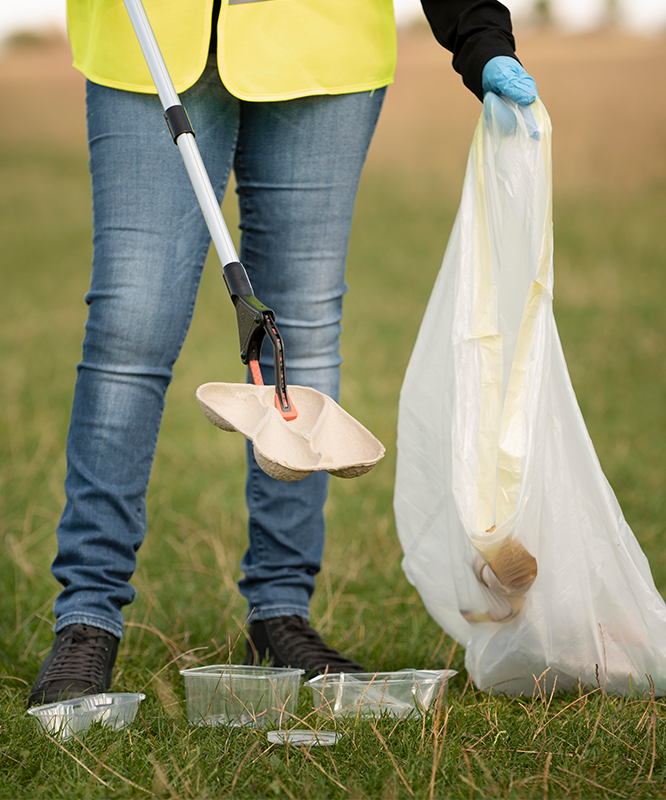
pixel 63 719
pixel 229 694
pixel 322 437
pixel 374 693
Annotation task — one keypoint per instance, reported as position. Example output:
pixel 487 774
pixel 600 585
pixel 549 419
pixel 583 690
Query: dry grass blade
pixel 469 780
pixel 13 678
pixel 80 763
pixel 651 707
pixel 241 765
pixel 591 782
pixel 393 761
pixel 172 646
pixel 167 696
pixel 602 706
pixel 110 769
pixel 44 608
pixel 303 721
pixel 186 785
pixel 147 729
pixel 562 711
pixel 653 704
pixel 439 646
pixel 166 666
pixel 439 700
pixel 551 695
pixel 603 646
pixel 161 783
pixel 610 733
pixel 472 786
pixel 546 770
pixel 279 782
pixel 488 774
pixel 537 691
pixel 468 683
pixel 308 755
pixel 437 751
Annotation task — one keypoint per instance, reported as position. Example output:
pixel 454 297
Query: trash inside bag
pixel 324 437
pixel 511 533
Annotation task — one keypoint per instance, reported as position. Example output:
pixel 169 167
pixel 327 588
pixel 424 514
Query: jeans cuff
pixel 268 612
pixel 88 619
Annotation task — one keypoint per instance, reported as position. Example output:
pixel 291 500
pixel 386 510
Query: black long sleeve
pixel 474 31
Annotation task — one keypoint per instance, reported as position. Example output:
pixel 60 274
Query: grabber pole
pixel 255 320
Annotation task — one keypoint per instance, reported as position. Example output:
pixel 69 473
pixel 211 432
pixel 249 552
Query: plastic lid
pixel 303 737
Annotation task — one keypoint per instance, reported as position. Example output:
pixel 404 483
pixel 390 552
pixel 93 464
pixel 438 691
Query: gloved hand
pixel 504 75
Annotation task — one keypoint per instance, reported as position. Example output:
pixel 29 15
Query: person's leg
pixel 150 244
pixel 297 166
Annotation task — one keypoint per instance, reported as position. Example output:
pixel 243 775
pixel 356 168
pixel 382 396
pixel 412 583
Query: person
pixel 288 96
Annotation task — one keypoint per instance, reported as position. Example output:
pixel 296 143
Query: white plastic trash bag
pixel 511 533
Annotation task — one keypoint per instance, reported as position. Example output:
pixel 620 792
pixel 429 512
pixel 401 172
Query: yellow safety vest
pixel 267 49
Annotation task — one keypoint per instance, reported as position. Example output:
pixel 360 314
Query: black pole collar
pixel 178 121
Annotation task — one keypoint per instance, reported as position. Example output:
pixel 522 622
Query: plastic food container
pixel 67 717
pixel 374 693
pixel 228 694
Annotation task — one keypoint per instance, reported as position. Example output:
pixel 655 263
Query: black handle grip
pixel 236 279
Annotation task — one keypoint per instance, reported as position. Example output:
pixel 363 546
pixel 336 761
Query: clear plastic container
pixel 67 717
pixel 374 693
pixel 234 695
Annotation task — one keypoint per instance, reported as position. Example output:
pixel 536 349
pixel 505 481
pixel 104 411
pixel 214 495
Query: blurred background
pixel 641 16
pixel 600 67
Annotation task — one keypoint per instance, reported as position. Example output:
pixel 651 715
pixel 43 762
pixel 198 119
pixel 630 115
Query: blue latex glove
pixel 504 75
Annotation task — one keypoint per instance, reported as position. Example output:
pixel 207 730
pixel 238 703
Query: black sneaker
pixel 80 662
pixel 291 642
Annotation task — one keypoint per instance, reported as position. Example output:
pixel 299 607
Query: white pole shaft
pixel 186 143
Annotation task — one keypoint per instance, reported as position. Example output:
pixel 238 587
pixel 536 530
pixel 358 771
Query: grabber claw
pixel 255 321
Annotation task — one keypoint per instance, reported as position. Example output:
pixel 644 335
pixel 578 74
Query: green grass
pixel 610 284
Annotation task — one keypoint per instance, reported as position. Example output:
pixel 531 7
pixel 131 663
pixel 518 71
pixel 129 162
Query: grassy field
pixel 610 204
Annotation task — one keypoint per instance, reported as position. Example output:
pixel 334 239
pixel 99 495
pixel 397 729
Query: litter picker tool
pixel 255 320
pixel 322 436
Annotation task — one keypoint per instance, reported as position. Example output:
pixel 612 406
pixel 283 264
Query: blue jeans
pixel 297 165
